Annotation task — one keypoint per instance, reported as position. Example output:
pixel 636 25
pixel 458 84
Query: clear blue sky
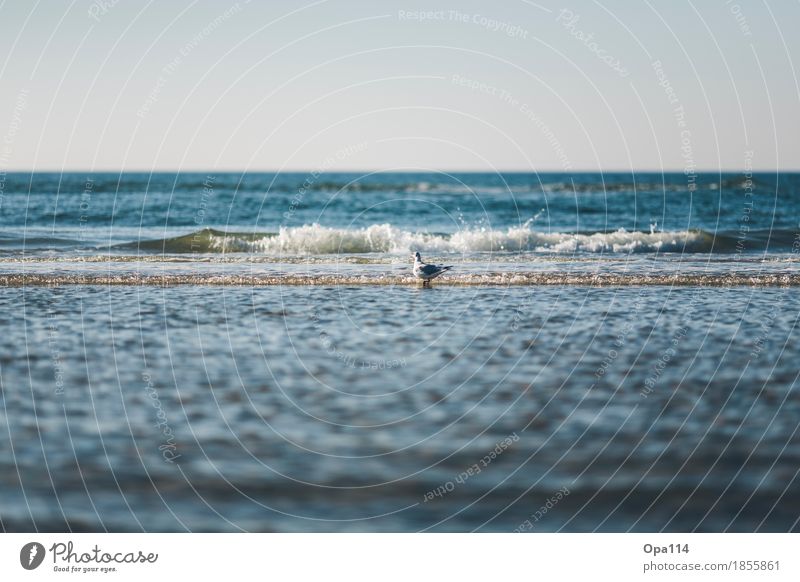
pixel 454 85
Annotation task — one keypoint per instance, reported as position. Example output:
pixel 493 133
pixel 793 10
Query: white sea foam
pixel 384 238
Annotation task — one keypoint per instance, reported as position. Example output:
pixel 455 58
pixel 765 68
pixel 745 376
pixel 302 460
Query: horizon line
pixel 406 171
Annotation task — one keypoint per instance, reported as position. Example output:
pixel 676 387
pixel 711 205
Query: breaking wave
pixel 315 239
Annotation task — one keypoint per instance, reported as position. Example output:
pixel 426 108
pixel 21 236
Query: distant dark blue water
pixel 314 213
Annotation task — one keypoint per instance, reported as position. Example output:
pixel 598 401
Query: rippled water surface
pixel 223 352
pixel 338 408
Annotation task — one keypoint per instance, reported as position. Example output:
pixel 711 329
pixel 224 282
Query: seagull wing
pixel 432 269
pixel 429 269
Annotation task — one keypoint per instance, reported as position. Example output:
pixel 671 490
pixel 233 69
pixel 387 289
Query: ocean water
pixel 228 352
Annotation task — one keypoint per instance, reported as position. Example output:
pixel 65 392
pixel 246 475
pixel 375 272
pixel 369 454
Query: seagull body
pixel 427 272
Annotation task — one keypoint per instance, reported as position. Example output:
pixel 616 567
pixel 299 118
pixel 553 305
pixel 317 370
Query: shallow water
pixel 233 352
pixel 338 408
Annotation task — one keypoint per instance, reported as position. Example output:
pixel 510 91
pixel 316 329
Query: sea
pixel 222 351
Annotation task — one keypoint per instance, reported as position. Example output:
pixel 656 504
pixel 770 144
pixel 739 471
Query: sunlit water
pixel 608 353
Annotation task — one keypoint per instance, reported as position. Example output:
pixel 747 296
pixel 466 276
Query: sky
pixel 111 85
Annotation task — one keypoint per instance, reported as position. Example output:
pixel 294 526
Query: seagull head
pixel 417 257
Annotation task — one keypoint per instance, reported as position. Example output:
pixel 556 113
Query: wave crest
pixel 315 239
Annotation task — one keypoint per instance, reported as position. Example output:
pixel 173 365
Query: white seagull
pixel 427 272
